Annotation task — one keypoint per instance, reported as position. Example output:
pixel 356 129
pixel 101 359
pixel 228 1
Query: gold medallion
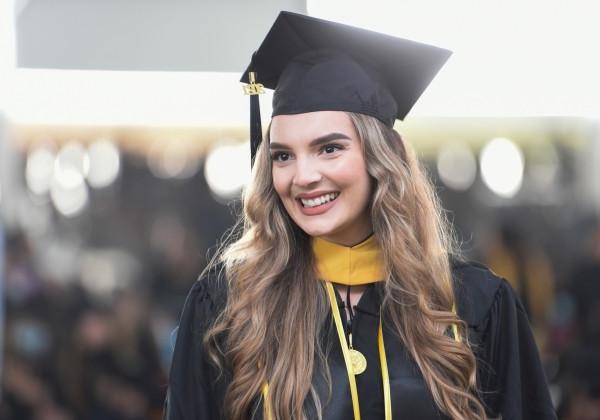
pixel 358 361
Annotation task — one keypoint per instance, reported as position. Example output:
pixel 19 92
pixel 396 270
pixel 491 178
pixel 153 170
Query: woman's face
pixel 320 174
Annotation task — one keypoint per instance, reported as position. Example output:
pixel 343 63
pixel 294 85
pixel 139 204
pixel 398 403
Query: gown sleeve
pixel 512 379
pixel 195 390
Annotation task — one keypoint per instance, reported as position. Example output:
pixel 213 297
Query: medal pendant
pixel 358 361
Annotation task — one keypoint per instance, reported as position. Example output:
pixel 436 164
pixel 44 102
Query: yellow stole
pixel 357 265
pixel 352 266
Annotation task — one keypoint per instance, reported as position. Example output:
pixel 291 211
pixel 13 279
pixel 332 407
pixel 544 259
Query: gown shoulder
pixel 195 384
pixel 511 379
pixel 476 288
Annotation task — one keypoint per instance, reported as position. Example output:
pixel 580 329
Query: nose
pixel 307 173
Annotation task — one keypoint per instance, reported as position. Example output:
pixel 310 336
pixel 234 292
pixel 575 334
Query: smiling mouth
pixel 318 201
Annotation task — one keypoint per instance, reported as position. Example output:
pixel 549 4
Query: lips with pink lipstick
pixel 316 203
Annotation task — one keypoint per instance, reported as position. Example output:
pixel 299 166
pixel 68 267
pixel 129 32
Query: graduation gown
pixel 510 375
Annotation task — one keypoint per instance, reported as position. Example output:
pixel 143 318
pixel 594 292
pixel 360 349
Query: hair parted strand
pixel 416 242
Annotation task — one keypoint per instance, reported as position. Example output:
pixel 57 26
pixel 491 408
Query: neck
pixel 358 233
pixel 347 242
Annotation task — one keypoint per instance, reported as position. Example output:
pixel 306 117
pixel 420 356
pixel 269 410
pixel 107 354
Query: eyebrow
pixel 316 142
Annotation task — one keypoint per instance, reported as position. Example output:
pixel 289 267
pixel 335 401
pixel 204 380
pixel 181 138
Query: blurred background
pixel 124 147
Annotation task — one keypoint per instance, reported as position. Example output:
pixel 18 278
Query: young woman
pixel 341 297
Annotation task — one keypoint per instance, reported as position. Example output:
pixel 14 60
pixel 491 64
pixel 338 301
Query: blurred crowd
pixel 576 340
pixel 564 313
pixel 70 356
pixel 91 303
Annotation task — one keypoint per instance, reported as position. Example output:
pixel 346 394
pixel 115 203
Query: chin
pixel 314 231
pixel 318 229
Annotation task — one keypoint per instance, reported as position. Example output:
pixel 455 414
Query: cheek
pixel 352 174
pixel 362 190
pixel 359 182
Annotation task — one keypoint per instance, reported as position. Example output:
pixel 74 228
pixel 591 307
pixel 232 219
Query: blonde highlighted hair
pixel 276 310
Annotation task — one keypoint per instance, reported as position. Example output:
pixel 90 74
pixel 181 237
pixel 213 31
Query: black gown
pixel 510 376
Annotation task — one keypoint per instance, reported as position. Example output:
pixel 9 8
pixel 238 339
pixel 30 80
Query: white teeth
pixel 318 200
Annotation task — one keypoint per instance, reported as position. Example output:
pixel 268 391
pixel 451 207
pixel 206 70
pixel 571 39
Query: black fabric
pixel 329 80
pixel 196 389
pixel 511 378
pixel 318 65
pixel 255 127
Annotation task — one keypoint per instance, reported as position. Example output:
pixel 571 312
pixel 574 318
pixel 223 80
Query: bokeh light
pixel 39 169
pixel 68 191
pixel 72 155
pixel 543 165
pixel 172 159
pixel 456 166
pixel 104 163
pixel 103 271
pixel 227 169
pixel 502 166
pixel 98 274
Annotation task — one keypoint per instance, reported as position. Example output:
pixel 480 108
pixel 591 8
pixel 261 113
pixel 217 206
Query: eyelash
pixel 276 155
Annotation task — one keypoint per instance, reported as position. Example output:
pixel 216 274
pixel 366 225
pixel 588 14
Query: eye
pixel 331 148
pixel 280 156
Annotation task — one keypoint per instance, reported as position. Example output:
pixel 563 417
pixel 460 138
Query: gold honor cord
pixel 454 326
pixel 385 377
pixel 266 402
pixel 387 397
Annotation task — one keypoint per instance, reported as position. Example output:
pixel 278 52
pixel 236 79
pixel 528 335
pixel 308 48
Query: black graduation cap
pixel 317 65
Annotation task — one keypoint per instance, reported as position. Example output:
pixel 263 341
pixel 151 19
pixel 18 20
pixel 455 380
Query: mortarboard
pixel 317 65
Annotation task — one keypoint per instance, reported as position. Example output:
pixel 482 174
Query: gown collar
pixel 356 265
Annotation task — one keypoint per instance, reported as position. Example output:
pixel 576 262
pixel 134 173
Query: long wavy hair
pixel 271 326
